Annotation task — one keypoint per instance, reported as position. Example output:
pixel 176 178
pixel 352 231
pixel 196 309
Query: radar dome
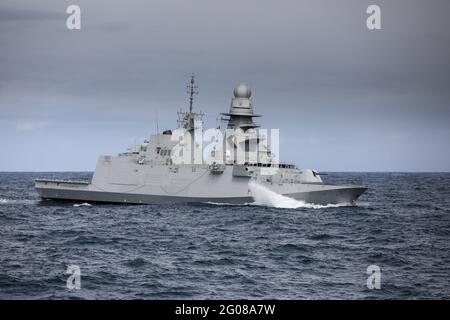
pixel 242 91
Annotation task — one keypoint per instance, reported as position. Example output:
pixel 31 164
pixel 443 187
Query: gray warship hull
pixel 340 195
pixel 128 183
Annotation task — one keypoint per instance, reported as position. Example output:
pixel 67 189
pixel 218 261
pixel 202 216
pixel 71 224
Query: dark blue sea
pixel 201 251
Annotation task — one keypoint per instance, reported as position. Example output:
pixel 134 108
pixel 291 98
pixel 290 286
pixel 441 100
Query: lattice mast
pixel 186 119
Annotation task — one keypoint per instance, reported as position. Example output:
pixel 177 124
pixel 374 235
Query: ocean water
pixel 278 248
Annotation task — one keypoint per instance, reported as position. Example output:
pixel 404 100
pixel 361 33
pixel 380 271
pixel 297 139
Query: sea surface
pixel 276 249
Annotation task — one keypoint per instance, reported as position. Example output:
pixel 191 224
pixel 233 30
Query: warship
pixel 151 173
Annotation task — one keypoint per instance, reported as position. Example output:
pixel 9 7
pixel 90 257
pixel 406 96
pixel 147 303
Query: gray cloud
pixel 24 14
pixel 115 26
pixel 315 69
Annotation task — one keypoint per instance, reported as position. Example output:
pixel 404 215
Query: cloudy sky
pixel 345 98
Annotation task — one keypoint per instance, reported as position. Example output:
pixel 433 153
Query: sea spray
pixel 85 204
pixel 266 197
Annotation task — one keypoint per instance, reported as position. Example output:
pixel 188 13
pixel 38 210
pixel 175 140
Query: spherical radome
pixel 242 91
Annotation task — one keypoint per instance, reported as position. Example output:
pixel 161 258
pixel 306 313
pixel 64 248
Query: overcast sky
pixel 344 98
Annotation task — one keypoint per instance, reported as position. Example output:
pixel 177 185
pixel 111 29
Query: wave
pixel 17 201
pixel 228 204
pixel 85 204
pixel 266 197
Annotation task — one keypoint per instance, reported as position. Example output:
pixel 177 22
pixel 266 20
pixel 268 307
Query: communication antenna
pixel 157 125
pixel 157 128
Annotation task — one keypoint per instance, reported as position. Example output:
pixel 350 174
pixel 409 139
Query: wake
pixel 266 197
pixel 18 201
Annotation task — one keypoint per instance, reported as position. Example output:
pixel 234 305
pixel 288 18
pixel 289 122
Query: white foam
pixel 228 204
pixel 17 201
pixel 85 204
pixel 266 197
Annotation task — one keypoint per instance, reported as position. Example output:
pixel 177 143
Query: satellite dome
pixel 242 91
